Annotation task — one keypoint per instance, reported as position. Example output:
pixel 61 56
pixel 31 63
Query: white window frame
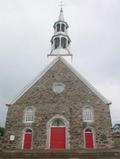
pixel 88 114
pixel 28 116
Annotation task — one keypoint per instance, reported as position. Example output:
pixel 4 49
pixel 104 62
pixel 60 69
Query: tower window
pixel 29 115
pixel 63 42
pixel 57 42
pixel 88 115
pixel 63 27
pixel 58 27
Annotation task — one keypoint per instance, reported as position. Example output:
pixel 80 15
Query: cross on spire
pixel 61 4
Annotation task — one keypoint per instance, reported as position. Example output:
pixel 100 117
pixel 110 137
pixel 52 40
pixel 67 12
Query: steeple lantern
pixel 60 41
pixel 60 26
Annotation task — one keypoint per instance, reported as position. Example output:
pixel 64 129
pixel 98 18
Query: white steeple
pixel 60 41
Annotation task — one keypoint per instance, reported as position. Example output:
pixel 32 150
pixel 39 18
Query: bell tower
pixel 60 41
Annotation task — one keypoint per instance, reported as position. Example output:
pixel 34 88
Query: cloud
pixel 26 30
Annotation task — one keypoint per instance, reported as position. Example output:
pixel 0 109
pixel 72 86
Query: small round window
pixel 58 87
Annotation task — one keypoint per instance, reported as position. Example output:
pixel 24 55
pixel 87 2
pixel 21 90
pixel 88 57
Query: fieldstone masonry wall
pixel 68 104
pixel 116 138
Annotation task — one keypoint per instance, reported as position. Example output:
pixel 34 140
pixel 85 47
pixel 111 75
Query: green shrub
pixel 2 131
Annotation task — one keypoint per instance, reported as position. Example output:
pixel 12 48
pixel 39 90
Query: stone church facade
pixel 68 106
pixel 59 110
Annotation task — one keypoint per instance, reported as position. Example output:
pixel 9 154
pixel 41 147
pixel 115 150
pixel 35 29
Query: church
pixel 59 111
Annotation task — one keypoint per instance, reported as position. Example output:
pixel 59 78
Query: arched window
pixel 88 138
pixel 27 139
pixel 29 115
pixel 88 130
pixel 58 122
pixel 63 27
pixel 88 114
pixel 57 43
pixel 63 42
pixel 58 27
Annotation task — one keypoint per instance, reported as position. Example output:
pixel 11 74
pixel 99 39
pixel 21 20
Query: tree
pixel 2 131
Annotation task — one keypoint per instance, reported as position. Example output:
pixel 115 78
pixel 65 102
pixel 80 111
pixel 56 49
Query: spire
pixel 61 16
pixel 60 41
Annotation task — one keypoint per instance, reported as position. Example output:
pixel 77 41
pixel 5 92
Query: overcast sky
pixel 26 27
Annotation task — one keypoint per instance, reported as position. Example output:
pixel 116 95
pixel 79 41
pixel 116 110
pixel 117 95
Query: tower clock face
pixel 58 87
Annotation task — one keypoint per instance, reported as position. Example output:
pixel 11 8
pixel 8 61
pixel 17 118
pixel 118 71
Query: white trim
pixel 93 133
pixel 93 89
pixel 24 116
pixel 48 128
pixel 55 87
pixel 83 113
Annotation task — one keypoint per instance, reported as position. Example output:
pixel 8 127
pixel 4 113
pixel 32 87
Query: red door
pixel 27 141
pixel 89 140
pixel 58 138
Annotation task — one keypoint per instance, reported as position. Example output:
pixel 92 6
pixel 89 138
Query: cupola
pixel 60 41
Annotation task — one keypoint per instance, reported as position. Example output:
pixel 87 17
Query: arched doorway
pixel 27 139
pixel 89 138
pixel 57 134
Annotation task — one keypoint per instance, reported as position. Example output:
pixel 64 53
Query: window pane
pixel 58 122
pixel 87 114
pixel 88 130
pixel 29 115
pixel 58 27
pixel 28 130
pixel 63 42
pixel 57 41
pixel 63 27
